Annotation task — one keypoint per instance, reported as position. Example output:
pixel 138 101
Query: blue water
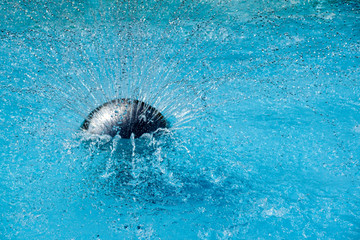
pixel 263 99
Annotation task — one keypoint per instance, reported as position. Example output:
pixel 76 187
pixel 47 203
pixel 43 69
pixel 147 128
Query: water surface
pixel 263 100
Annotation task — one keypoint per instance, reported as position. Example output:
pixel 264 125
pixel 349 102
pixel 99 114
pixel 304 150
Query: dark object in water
pixel 124 117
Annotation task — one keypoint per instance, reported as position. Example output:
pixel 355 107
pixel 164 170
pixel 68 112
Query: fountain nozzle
pixel 124 117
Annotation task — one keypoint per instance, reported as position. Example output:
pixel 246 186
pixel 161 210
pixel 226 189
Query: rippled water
pixel 263 98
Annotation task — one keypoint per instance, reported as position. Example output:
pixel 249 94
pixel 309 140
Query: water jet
pixel 124 117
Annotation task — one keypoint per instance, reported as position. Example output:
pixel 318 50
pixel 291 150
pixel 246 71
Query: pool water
pixel 263 99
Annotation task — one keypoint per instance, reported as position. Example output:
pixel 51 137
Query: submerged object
pixel 124 117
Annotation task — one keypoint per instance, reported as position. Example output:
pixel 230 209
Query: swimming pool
pixel 263 99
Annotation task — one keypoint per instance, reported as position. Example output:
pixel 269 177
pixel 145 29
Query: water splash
pixel 91 61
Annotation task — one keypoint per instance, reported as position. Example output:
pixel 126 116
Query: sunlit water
pixel 263 98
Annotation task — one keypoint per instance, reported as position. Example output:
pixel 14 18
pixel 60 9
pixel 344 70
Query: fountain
pixel 179 119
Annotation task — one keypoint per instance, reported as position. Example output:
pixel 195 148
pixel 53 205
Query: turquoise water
pixel 263 98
